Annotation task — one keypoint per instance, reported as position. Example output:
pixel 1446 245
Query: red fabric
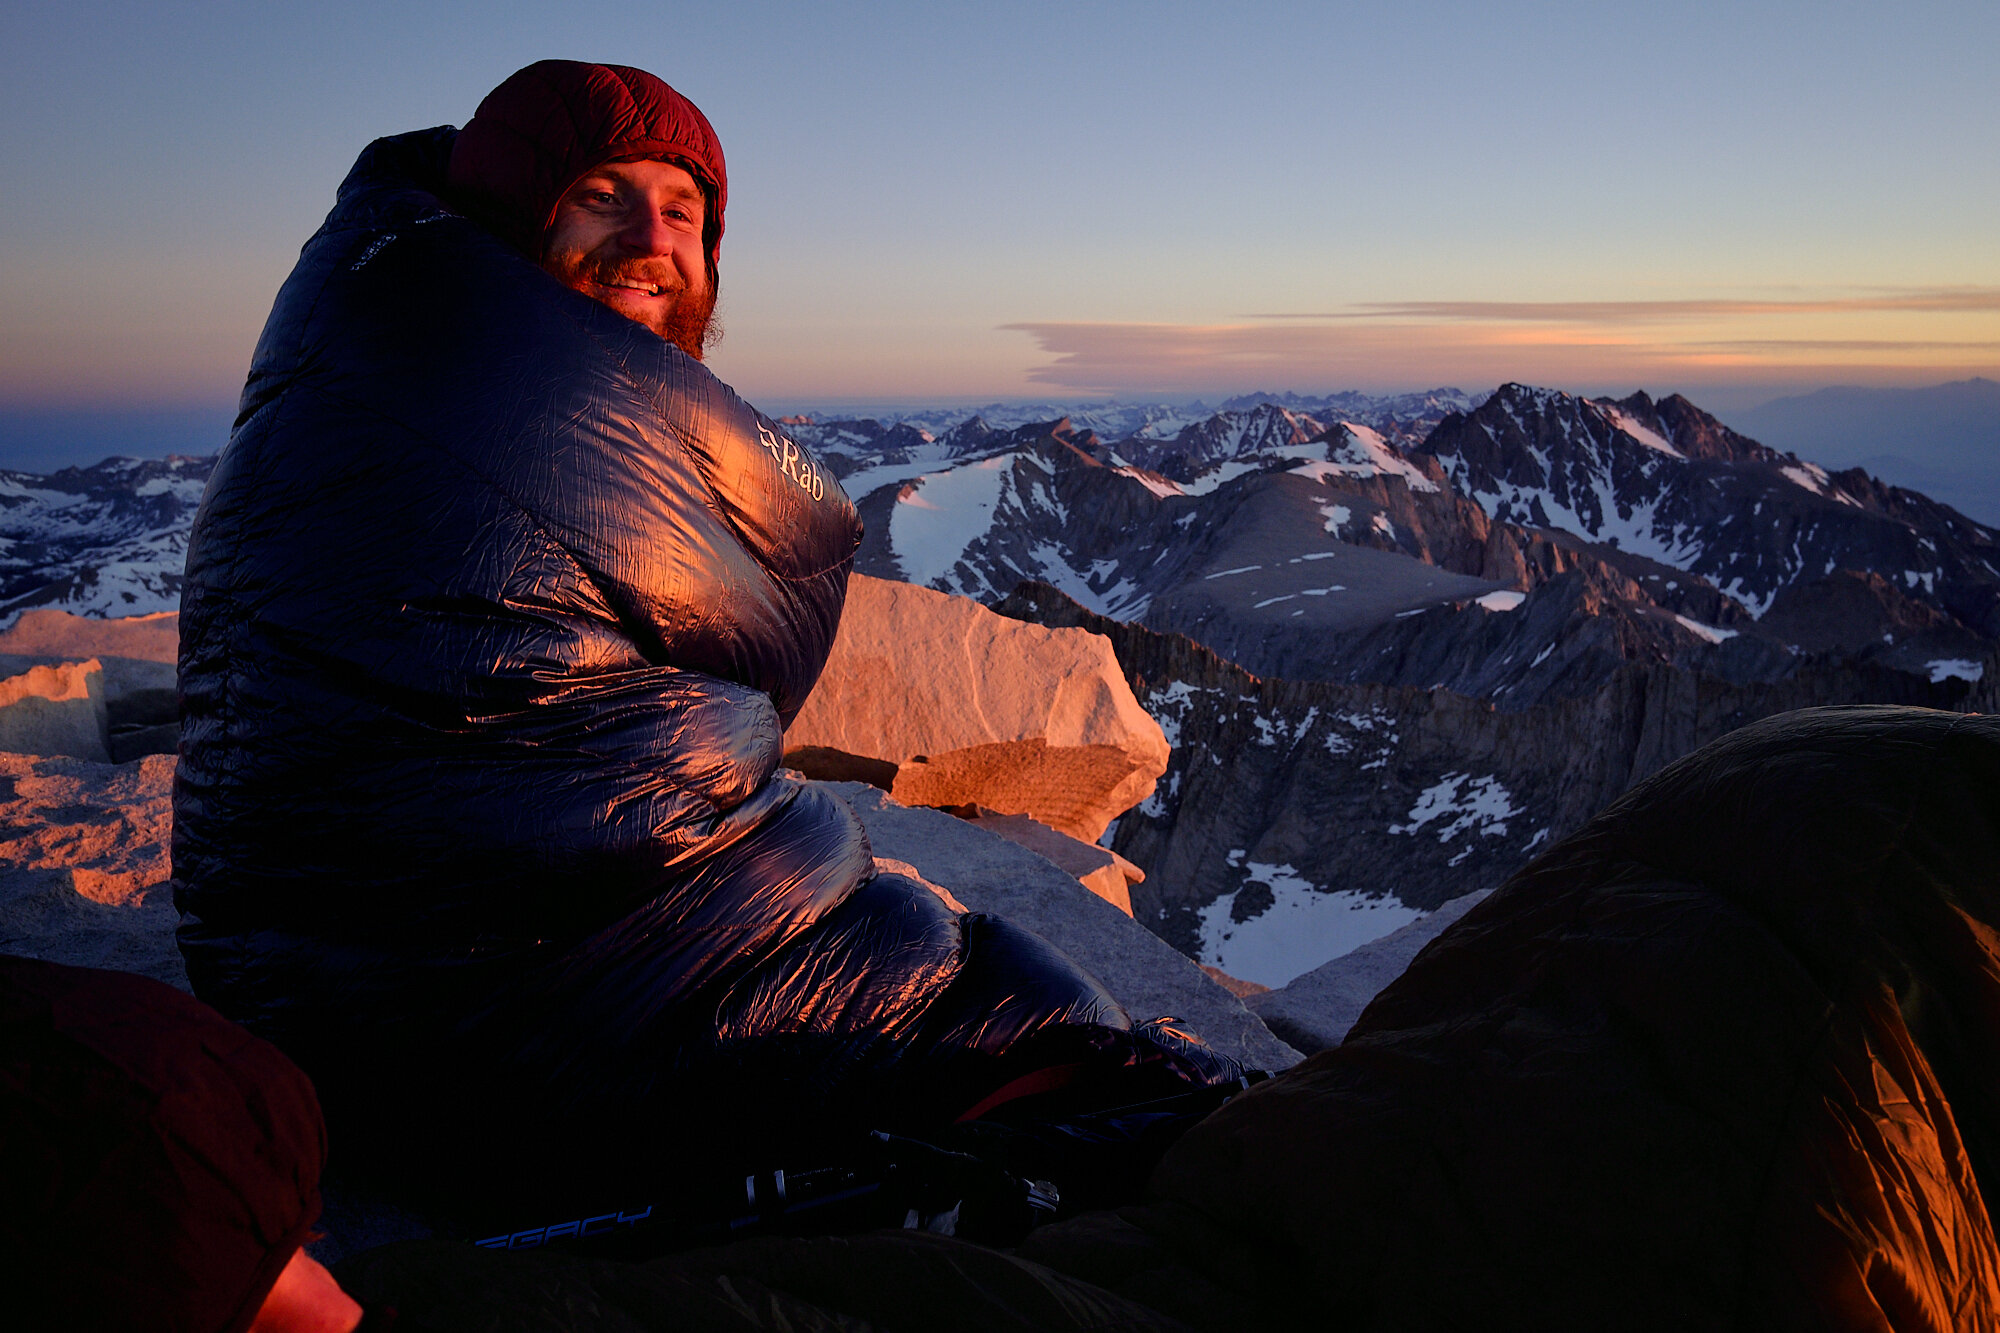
pixel 158 1164
pixel 1028 1085
pixel 547 124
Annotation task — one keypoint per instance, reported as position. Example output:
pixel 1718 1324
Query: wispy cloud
pixel 1904 335
pixel 1924 300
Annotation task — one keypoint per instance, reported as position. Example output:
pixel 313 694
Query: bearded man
pixel 495 611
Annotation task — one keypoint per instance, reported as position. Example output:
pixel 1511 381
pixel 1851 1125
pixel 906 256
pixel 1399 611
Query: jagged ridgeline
pixel 1398 643
pixel 1401 643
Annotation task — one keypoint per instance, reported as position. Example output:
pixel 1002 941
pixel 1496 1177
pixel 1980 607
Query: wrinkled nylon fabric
pixel 495 609
pixel 1728 1058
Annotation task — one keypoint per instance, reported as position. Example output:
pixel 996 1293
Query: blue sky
pixel 969 202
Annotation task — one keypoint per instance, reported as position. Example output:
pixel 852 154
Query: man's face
pixel 629 234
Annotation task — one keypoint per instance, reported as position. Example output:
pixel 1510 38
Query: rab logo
pixel 793 461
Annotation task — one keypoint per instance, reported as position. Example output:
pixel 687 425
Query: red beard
pixel 684 316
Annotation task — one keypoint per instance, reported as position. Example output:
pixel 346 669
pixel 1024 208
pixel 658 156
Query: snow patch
pixel 1170 705
pixel 1303 927
pixel 1810 476
pixel 1944 668
pixel 1645 435
pixel 1501 601
pixel 1712 633
pixel 1481 805
pixel 1121 601
pixel 941 513
pixel 1152 481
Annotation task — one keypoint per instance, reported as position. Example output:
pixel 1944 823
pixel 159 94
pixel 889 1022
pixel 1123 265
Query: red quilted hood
pixel 548 124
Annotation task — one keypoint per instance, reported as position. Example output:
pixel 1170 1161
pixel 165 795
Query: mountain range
pixel 1398 643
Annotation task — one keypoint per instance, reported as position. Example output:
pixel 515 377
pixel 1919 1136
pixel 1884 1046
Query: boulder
pixel 987 873
pixel 135 656
pixel 1313 1012
pixel 53 708
pixel 973 707
pixel 84 863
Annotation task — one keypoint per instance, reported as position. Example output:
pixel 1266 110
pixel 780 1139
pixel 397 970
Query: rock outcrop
pixel 972 707
pixel 53 708
pixel 47 632
pixel 1099 869
pixel 84 863
pixel 125 710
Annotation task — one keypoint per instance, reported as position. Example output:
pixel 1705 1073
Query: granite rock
pixel 84 863
pixel 1099 869
pixel 54 709
pixel 135 664
pixel 977 708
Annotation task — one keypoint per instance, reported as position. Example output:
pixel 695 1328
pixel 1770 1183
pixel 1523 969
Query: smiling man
pixel 496 609
pixel 609 179
pixel 629 234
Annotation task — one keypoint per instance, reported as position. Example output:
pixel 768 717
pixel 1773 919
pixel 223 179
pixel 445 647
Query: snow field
pixel 1303 927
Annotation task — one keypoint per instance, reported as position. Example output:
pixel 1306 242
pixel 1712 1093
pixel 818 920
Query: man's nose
pixel 646 232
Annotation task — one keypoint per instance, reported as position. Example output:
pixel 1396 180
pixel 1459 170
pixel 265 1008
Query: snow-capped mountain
pixel 1401 416
pixel 108 540
pixel 1667 482
pixel 1524 549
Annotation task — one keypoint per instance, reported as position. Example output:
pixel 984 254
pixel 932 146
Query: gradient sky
pixel 968 202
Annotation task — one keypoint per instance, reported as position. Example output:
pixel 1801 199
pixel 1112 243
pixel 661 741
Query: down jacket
pixel 495 610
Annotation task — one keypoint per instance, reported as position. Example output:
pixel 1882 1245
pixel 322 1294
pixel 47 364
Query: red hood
pixel 547 124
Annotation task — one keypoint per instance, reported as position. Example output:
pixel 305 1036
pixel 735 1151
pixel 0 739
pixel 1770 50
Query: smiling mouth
pixel 629 285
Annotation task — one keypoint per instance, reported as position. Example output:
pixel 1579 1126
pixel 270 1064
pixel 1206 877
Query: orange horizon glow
pixel 1886 338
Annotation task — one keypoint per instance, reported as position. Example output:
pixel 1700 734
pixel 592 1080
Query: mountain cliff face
pixel 1671 484
pixel 1295 815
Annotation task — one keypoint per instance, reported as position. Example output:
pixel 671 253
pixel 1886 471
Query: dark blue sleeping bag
pixel 495 610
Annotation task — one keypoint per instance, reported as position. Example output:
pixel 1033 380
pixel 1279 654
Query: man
pixel 495 610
